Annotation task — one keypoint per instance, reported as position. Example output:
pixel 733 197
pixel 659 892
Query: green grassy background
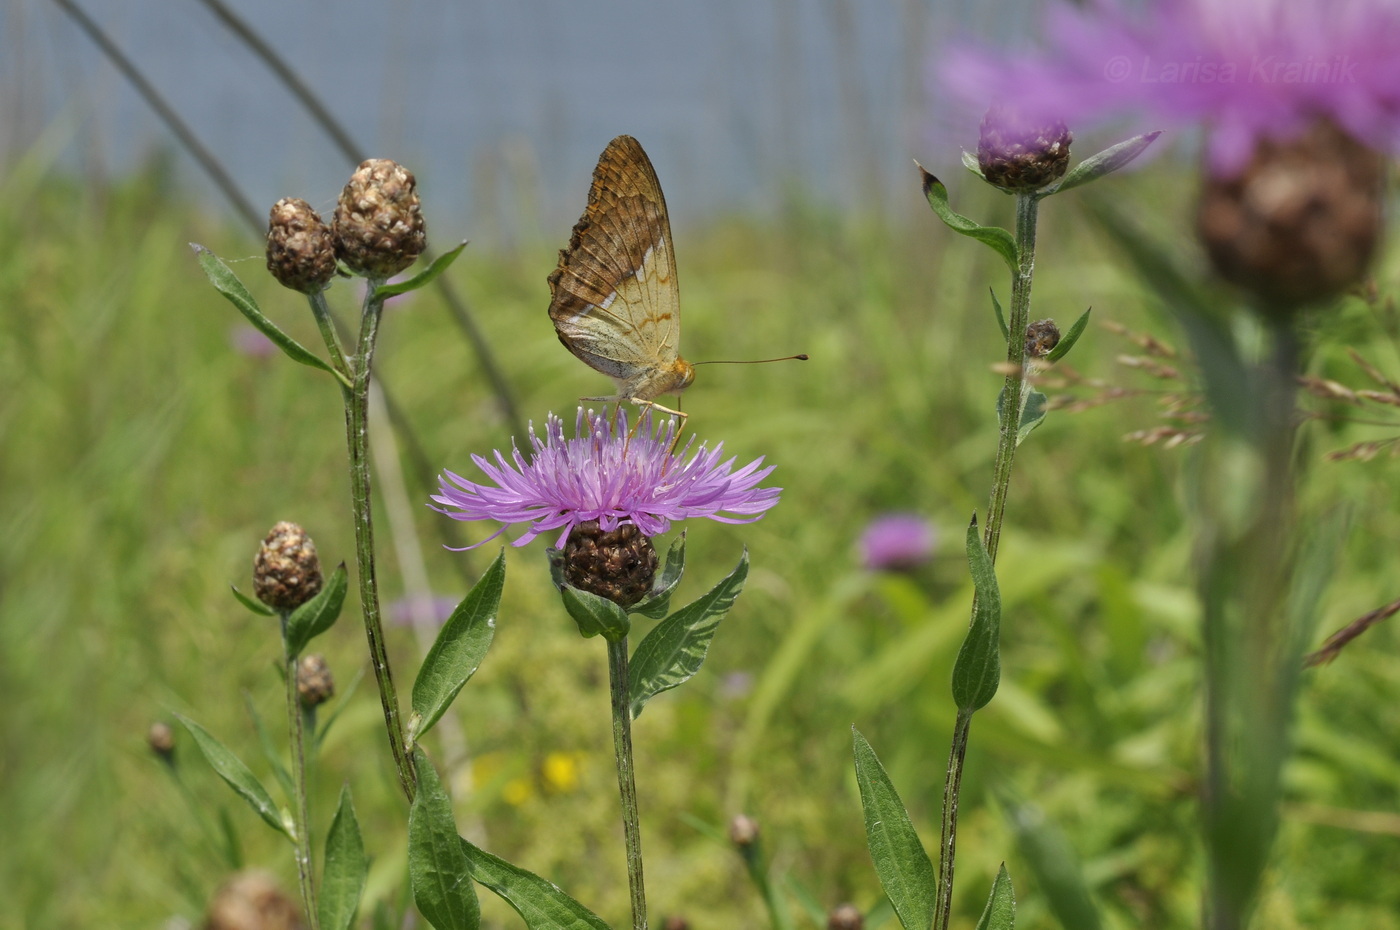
pixel 143 459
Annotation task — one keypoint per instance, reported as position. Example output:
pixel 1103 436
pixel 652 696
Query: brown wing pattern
pixel 614 296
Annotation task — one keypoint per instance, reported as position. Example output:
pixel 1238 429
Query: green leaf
pixel 437 864
pixel 318 614
pixel 1032 411
pixel 438 266
pixel 1105 162
pixel 595 614
pixel 227 283
pixel 1055 866
pixel 540 903
pixel 977 671
pixel 969 161
pixel 1001 316
pixel 1000 913
pixel 901 863
pixel 232 770
pixel 459 650
pixel 1070 338
pixel 674 651
pixel 998 239
pixel 257 607
pixel 658 601
pixel 345 869
pixel 270 752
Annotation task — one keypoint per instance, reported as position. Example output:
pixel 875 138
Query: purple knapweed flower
pixel 897 542
pixel 607 474
pixel 1248 70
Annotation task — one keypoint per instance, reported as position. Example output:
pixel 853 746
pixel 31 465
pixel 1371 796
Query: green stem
pixel 1027 209
pixel 322 312
pixel 619 686
pixel 357 438
pixel 302 816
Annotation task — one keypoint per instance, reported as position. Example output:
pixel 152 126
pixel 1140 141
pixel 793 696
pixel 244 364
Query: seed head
pixel 251 900
pixel 1300 222
pixel 845 917
pixel 161 738
pixel 378 224
pixel 619 565
pixel 300 252
pixel 315 685
pixel 1041 337
pixel 1017 153
pixel 286 571
pixel 743 831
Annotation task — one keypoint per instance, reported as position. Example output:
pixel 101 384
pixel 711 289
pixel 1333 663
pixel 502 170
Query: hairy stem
pixel 1027 208
pixel 302 816
pixel 619 686
pixel 357 438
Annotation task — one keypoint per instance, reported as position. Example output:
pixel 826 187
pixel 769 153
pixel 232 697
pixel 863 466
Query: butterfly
pixel 614 298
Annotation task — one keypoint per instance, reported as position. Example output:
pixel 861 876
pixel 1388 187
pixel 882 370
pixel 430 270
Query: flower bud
pixel 675 923
pixel 743 831
pixel 251 900
pixel 618 565
pixel 300 252
pixel 315 685
pixel 378 224
pixel 1041 337
pixel 286 572
pixel 161 738
pixel 1018 153
pixel 1300 222
pixel 844 917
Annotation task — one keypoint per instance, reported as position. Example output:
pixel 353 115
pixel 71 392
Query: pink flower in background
pixel 609 474
pixel 896 542
pixel 1246 69
pixel 250 342
pixel 403 611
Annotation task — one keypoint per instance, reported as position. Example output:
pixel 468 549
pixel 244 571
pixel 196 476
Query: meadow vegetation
pixel 145 454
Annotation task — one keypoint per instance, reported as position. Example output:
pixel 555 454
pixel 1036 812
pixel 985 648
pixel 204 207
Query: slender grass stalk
pixel 301 807
pixel 357 439
pixel 619 686
pixel 1027 209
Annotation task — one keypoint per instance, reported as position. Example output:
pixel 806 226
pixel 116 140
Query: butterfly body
pixel 615 300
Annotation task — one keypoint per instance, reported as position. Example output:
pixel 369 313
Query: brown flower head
pixel 300 253
pixel 378 224
pixel 286 571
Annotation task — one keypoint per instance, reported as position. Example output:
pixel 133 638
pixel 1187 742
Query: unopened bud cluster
pixel 845 917
pixel 619 565
pixel 315 684
pixel 286 571
pixel 1300 222
pixel 378 223
pixel 1018 154
pixel 1041 338
pixel 300 252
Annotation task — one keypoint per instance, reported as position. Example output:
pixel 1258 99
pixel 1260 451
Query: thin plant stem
pixel 302 816
pixel 619 686
pixel 1027 209
pixel 322 311
pixel 357 438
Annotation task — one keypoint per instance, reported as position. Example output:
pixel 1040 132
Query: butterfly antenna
pixel 758 361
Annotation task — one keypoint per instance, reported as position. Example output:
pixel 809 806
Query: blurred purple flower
pixel 250 342
pixel 403 611
pixel 607 475
pixel 1247 69
pixel 896 542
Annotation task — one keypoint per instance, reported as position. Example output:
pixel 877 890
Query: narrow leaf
pixel 1055 866
pixel 1001 315
pixel 1068 340
pixel 969 161
pixel 901 863
pixel 232 770
pixel 423 277
pixel 1032 412
pixel 257 607
pixel 1105 162
pixel 318 614
pixel 595 614
pixel 658 601
pixel 437 865
pixel 1000 913
pixel 540 903
pixel 674 651
pixel 995 237
pixel 459 650
pixel 346 867
pixel 977 671
pixel 227 283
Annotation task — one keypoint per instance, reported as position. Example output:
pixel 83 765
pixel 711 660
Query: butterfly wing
pixel 615 301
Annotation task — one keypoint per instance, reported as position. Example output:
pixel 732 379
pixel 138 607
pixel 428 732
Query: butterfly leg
pixel 680 428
